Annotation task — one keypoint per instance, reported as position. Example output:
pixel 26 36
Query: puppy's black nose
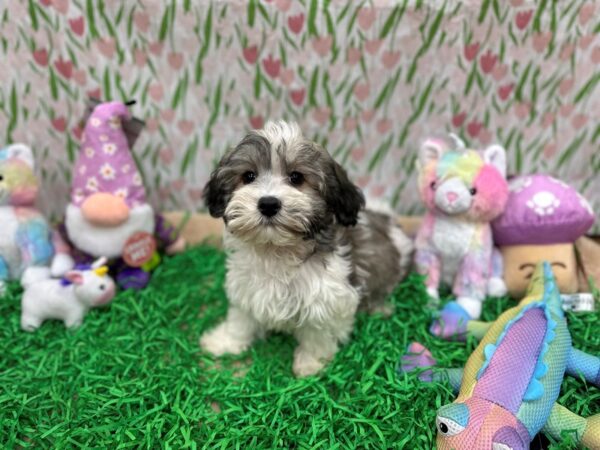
pixel 269 206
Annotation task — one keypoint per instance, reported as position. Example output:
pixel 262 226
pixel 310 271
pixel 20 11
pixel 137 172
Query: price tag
pixel 139 249
pixel 582 302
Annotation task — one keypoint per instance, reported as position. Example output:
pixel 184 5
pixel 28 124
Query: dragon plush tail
pixel 586 432
pixel 591 436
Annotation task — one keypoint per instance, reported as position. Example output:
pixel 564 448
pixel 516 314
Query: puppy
pixel 303 253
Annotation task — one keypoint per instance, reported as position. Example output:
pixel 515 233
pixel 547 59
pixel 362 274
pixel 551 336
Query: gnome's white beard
pixel 107 241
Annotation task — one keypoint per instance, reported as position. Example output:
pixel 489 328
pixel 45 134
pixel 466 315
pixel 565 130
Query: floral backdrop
pixel 367 79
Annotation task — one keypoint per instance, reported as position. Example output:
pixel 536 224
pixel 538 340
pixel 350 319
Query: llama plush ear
pixel 432 149
pixel 496 156
pixel 22 152
pixel 74 276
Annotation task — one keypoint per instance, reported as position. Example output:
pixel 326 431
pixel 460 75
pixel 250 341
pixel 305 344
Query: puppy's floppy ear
pixel 343 197
pixel 216 194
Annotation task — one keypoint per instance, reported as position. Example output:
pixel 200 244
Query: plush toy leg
pixel 61 264
pixel 4 274
pixel 591 436
pixel 132 278
pixel 471 283
pixel 471 305
pixel 451 322
pixel 581 364
pixel 34 240
pixel 419 357
pixel 428 264
pixel 477 328
pixel 496 286
pixel 586 432
pixel 29 322
pixel 74 321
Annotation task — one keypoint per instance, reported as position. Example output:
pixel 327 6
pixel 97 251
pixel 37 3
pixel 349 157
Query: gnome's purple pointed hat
pixel 105 163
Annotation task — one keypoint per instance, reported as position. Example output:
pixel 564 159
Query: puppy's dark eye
pixel 1 177
pixel 473 191
pixel 296 178
pixel 102 287
pixel 248 177
pixel 432 185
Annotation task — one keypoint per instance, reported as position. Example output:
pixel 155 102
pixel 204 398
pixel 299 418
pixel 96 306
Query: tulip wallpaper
pixel 367 79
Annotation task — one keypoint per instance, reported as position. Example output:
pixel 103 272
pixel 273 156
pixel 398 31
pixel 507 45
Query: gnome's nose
pixel 105 210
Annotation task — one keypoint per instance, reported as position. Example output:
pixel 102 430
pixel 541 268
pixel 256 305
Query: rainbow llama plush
pixel 464 190
pixel 25 238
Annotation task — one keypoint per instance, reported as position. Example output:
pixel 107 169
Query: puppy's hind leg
pixel 232 336
pixel 377 304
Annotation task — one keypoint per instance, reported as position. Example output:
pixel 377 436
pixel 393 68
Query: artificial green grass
pixel 133 375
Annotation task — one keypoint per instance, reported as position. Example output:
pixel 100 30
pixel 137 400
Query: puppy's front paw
pixel 219 342
pixel 305 364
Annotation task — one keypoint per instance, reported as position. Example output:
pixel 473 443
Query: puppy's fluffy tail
pixel 403 243
pixel 380 206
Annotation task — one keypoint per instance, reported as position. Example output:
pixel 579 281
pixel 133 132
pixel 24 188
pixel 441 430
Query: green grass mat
pixel 133 376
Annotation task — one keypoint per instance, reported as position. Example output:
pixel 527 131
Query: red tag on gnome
pixel 139 249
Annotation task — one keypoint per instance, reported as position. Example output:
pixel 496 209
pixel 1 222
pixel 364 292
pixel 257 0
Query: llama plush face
pixel 462 182
pixel 18 183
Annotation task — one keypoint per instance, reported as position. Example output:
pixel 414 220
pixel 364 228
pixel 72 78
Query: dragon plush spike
pixel 510 384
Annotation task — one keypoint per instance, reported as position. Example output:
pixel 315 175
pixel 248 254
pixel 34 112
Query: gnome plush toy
pixel 108 214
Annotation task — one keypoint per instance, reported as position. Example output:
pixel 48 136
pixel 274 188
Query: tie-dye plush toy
pixel 463 190
pixel 108 214
pixel 508 389
pixel 25 238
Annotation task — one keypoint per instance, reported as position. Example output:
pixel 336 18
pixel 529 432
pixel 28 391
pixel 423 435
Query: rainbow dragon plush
pixel 508 389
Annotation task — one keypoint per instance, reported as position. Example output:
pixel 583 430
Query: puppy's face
pixel 277 188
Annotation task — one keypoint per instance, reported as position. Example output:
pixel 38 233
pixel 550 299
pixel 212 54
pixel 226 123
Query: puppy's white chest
pixel 282 296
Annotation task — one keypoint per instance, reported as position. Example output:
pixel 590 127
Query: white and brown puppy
pixel 303 253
